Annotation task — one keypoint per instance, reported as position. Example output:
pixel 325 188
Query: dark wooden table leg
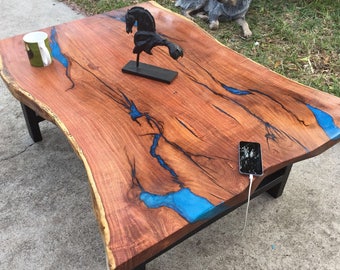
pixel 32 122
pixel 276 191
pixel 141 267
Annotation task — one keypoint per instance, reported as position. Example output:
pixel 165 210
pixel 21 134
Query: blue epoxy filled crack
pixel 56 51
pixel 326 122
pixel 235 91
pixel 59 56
pixel 134 113
pixel 187 204
pixel 160 160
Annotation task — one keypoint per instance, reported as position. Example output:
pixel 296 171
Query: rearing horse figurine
pixel 146 37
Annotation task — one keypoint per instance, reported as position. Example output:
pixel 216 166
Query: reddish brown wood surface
pixel 197 122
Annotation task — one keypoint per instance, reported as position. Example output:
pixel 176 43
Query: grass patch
pixel 296 38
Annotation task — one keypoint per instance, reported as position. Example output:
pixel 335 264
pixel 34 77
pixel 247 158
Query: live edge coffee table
pixel 162 159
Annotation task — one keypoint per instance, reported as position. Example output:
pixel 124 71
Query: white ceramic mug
pixel 38 49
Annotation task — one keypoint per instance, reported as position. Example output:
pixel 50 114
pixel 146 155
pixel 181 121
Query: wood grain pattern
pixel 173 147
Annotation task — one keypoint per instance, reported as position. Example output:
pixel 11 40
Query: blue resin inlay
pixel 56 51
pixel 326 122
pixel 57 54
pixel 236 91
pixel 134 113
pixel 190 206
pixel 160 160
pixel 120 18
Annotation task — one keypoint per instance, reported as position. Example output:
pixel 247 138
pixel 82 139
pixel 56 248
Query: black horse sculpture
pixel 146 37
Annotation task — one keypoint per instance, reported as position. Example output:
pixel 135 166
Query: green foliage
pixel 296 38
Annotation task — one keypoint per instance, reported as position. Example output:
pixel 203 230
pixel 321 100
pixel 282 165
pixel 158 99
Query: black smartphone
pixel 250 158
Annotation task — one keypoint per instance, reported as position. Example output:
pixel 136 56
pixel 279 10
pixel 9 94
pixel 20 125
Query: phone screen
pixel 250 158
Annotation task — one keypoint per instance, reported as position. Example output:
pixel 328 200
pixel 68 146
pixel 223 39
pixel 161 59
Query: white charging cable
pixel 251 179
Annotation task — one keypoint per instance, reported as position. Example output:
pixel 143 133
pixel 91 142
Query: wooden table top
pixel 161 157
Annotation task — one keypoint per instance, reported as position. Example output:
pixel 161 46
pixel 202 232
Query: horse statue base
pixel 150 72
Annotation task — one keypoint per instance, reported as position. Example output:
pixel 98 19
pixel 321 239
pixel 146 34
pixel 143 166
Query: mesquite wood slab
pixel 160 158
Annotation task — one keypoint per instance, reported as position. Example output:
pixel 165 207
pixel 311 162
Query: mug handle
pixel 45 54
